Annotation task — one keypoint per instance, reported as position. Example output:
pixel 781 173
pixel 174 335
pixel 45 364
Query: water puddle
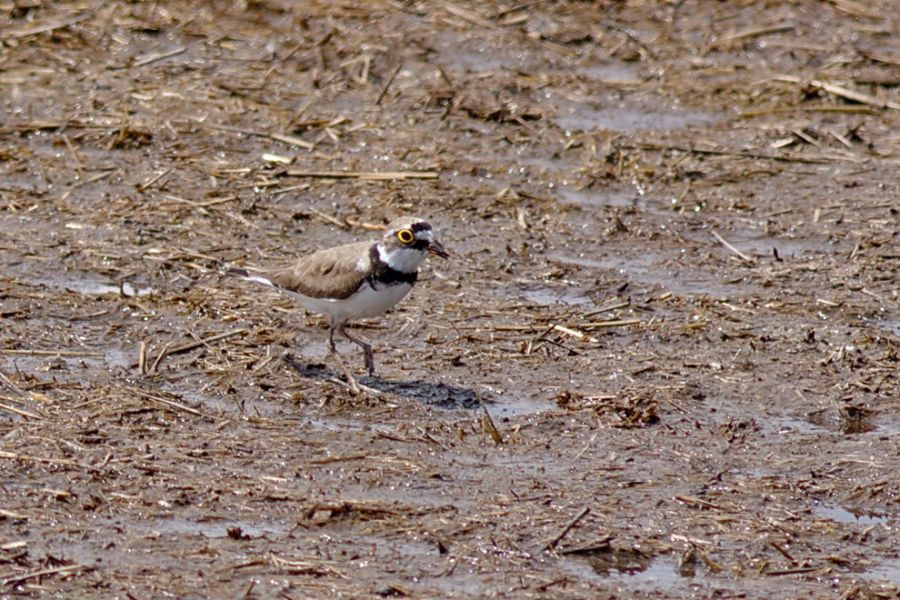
pixel 579 117
pixel 659 573
pixel 594 198
pixel 222 403
pixel 485 184
pixel 216 528
pixel 613 73
pixel 462 583
pixel 579 261
pixel 458 52
pixel 784 247
pixel 802 425
pixel 633 571
pixel 24 183
pixel 892 327
pixel 626 564
pixel 544 165
pixel 839 514
pixel 119 357
pixel 338 424
pixel 79 283
pixel 848 421
pixel 509 407
pixel 852 420
pixel 71 364
pixel 653 269
pixel 96 288
pixel 90 287
pixel 887 570
pixel 550 296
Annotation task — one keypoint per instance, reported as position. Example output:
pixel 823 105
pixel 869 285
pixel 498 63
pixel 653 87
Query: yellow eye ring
pixel 406 236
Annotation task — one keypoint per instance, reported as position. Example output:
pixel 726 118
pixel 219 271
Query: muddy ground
pixel 662 361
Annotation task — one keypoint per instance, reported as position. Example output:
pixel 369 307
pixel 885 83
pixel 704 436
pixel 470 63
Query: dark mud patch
pixel 437 394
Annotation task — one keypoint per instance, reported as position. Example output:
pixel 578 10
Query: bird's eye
pixel 406 236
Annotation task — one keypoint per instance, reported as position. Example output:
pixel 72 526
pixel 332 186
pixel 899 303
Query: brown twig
pixel 783 552
pixel 610 323
pixel 18 411
pixel 329 219
pixel 753 32
pixel 487 424
pixel 852 109
pixel 154 179
pixel 49 461
pixel 601 544
pixel 842 92
pixel 516 8
pixel 737 153
pixel 142 358
pixel 468 15
pixel 189 346
pixel 607 308
pixel 573 333
pixel 741 255
pixel 167 402
pixel 20 577
pixel 157 56
pixel 797 571
pixel 388 84
pixel 365 175
pixel 697 502
pixel 12 386
pixel 21 33
pixel 565 530
pixel 281 137
pixel 17 352
pixel 162 354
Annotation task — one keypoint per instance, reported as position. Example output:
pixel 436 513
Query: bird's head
pixel 412 233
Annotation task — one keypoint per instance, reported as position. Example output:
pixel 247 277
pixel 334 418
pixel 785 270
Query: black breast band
pixel 384 274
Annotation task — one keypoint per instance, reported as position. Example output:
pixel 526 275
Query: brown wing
pixel 331 273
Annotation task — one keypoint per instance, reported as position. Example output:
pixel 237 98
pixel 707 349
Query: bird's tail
pixel 245 274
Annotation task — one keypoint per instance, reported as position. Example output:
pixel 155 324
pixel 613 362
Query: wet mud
pixel 662 361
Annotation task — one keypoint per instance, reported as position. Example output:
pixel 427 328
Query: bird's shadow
pixel 438 394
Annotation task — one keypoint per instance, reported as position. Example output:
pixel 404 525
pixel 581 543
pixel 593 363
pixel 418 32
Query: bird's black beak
pixel 435 247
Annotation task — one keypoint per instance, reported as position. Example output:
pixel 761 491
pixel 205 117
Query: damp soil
pixel 661 362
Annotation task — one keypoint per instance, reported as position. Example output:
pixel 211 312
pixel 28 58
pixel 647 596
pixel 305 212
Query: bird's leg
pixel 332 350
pixel 367 349
pixel 334 325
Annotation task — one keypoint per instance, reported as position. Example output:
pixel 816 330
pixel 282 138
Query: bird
pixel 357 280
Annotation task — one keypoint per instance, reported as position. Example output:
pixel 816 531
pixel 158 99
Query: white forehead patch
pixel 425 234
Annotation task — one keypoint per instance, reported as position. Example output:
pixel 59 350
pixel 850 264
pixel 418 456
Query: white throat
pixel 405 260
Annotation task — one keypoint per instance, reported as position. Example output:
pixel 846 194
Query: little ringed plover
pixel 358 280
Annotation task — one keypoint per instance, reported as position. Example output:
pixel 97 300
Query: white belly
pixel 363 304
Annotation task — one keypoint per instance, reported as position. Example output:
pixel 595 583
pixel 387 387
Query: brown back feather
pixel 331 273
